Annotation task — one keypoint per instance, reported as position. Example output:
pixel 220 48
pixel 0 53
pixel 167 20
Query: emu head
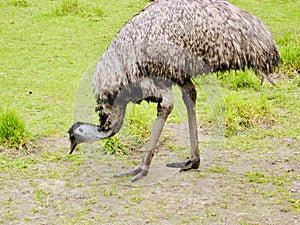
pixel 111 119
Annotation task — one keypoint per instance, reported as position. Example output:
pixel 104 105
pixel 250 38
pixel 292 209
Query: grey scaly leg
pixel 164 108
pixel 189 97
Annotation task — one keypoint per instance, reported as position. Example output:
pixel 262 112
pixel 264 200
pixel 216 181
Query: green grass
pixel 115 146
pixel 136 129
pixel 277 190
pixel 47 54
pixel 245 110
pixel 236 80
pixel 219 169
pixel 48 57
pixel 13 133
pixel 137 199
pixel 78 8
pixel 256 177
pixel 19 3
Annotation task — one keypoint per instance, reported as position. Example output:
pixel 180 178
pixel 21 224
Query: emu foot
pixel 186 164
pixel 137 173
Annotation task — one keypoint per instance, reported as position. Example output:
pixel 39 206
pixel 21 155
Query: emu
pixel 168 43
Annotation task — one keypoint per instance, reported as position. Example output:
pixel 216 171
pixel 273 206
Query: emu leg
pixel 142 170
pixel 163 110
pixel 189 97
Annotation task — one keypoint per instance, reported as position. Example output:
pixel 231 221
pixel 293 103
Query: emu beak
pixel 73 145
pixel 72 139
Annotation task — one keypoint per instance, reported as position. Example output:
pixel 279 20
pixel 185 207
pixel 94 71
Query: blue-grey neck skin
pixel 89 133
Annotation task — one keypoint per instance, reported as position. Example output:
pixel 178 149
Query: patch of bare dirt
pixel 87 193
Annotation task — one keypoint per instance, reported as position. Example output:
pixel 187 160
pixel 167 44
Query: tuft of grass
pixel 13 133
pixel 137 199
pixel 290 53
pixel 295 203
pixel 75 7
pixel 115 146
pixel 139 120
pixel 247 111
pixel 19 3
pixel 40 194
pixel 219 169
pixel 135 130
pixel 111 191
pixel 240 79
pixel 256 177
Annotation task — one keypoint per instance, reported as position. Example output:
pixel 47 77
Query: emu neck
pixel 90 132
pixel 117 117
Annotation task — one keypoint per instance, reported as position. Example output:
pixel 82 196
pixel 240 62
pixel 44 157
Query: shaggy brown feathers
pixel 174 39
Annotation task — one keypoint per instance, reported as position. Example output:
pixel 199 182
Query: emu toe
pixel 137 173
pixel 186 164
pixel 140 175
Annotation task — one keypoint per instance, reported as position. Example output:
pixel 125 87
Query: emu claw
pixel 140 175
pixel 137 173
pixel 186 164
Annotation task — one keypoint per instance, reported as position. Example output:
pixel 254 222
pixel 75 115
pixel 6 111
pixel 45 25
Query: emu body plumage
pixel 165 44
